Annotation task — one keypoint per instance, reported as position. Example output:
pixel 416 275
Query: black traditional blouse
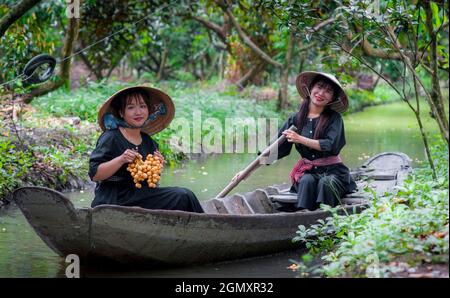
pixel 331 144
pixel 120 187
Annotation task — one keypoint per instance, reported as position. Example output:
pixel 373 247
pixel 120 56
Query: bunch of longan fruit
pixel 148 169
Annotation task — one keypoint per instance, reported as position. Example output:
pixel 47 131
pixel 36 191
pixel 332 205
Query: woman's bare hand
pixel 159 155
pixel 128 156
pixel 291 136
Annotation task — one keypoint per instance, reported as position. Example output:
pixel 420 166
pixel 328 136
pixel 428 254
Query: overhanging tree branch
pixel 369 50
pixel 246 40
pixel 401 94
pixel 408 63
pixel 362 61
pixel 15 13
pixel 323 24
pixel 309 46
pixel 211 26
pixel 221 31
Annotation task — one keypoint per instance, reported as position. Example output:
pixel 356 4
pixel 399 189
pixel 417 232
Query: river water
pixel 384 128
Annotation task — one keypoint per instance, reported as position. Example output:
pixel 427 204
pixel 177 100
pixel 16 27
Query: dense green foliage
pixel 411 225
pixel 14 166
pixel 60 164
pixel 360 98
pixel 33 34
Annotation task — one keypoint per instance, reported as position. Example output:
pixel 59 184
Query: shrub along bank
pixel 404 234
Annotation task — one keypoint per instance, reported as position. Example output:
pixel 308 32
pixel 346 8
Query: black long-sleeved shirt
pixel 331 144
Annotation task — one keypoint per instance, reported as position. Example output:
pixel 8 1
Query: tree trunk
pixel 202 68
pixel 98 74
pixel 422 131
pixel 162 65
pixel 67 49
pixel 441 120
pixel 195 72
pixel 302 63
pixel 15 13
pixel 377 80
pixel 435 101
pixel 221 66
pixel 213 67
pixel 283 93
pixel 256 69
pixel 64 72
pixel 436 95
pixel 111 69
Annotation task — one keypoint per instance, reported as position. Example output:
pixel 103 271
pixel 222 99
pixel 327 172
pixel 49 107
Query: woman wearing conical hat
pixel 319 177
pixel 128 119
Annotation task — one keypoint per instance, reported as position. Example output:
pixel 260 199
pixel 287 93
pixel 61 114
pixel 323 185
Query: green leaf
pixel 436 18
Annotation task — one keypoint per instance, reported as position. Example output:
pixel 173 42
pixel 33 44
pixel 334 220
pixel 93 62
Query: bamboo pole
pixel 253 165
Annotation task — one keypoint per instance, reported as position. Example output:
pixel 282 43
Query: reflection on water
pixel 378 129
pixel 272 266
pixel 22 252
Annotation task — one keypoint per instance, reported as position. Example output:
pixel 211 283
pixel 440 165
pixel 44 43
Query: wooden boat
pixel 236 226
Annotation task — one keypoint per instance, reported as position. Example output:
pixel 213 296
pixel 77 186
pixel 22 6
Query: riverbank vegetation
pixel 404 234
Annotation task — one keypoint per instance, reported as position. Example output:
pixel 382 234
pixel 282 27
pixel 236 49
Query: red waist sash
pixel 304 165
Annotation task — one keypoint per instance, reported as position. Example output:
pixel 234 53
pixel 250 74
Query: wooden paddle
pixel 254 164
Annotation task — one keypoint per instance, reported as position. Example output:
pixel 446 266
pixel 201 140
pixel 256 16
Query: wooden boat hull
pixel 133 234
pixel 137 235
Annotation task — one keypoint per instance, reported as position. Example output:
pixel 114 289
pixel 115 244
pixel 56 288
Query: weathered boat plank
pixel 259 201
pixel 237 204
